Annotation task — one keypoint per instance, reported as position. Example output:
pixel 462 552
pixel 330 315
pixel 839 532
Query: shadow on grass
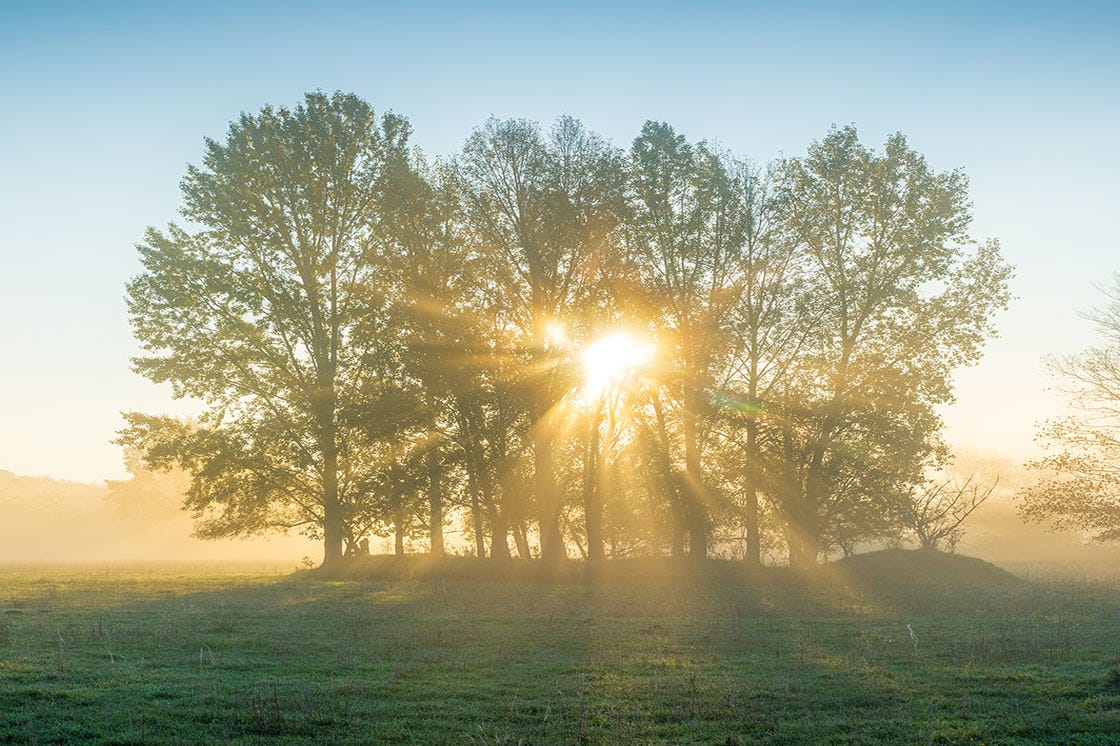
pixel 463 651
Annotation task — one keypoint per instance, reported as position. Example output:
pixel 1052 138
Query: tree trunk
pixel 499 537
pixel 803 535
pixel 697 497
pixel 435 499
pixel 544 476
pixel 548 499
pixel 815 488
pixel 499 521
pixel 333 530
pixel 793 552
pixel 332 510
pixel 521 540
pixel 671 483
pixel 398 528
pixel 476 509
pixel 592 493
pixel 808 527
pixel 677 549
pixel 324 402
pixel 805 550
pixel 750 507
pixel 651 464
pixel 611 490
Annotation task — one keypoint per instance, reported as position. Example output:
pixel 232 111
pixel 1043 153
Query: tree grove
pixel 381 344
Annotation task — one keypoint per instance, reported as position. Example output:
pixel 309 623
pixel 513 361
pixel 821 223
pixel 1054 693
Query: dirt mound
pixel 919 569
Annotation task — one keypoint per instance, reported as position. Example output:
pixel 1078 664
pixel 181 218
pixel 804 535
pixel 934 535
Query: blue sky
pixel 106 104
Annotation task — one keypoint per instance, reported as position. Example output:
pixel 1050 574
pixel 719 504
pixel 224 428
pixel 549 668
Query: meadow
pixel 895 647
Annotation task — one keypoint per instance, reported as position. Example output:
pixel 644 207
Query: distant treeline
pixel 558 345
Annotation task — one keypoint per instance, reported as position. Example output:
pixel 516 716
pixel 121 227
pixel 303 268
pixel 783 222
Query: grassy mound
pixel 919 570
pixel 648 570
pixel 902 570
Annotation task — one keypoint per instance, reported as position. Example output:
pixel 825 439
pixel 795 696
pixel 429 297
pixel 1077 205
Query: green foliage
pixel 378 339
pixel 148 496
pixel 901 298
pixel 255 314
pixel 543 215
pixel 688 234
pixel 1079 488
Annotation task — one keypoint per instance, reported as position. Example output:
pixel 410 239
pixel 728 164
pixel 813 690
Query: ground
pixel 892 648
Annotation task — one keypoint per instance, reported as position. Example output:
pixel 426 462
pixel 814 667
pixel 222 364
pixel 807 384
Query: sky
pixel 106 103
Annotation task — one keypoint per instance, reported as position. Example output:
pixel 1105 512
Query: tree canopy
pixel 664 349
pixel 1079 489
pixel 255 312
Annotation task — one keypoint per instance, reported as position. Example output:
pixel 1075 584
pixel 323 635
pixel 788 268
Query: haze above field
pixel 108 103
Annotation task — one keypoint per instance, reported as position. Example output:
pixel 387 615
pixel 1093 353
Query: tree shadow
pixel 650 652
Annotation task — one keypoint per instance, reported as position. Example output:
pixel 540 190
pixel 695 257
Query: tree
pixel 429 270
pixel 490 416
pixel 544 213
pixel 253 313
pixel 1080 485
pixel 689 233
pixel 611 394
pixel 148 497
pixel 935 512
pixel 771 320
pixel 381 343
pixel 903 297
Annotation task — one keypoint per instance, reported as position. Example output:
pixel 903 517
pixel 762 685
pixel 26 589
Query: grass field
pixel 896 648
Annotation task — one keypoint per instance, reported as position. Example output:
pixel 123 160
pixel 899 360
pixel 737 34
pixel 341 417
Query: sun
pixel 609 359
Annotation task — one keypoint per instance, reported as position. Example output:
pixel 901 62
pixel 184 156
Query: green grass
pixel 410 653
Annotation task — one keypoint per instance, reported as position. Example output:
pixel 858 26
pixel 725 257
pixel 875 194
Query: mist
pixel 53 521
pixel 141 521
